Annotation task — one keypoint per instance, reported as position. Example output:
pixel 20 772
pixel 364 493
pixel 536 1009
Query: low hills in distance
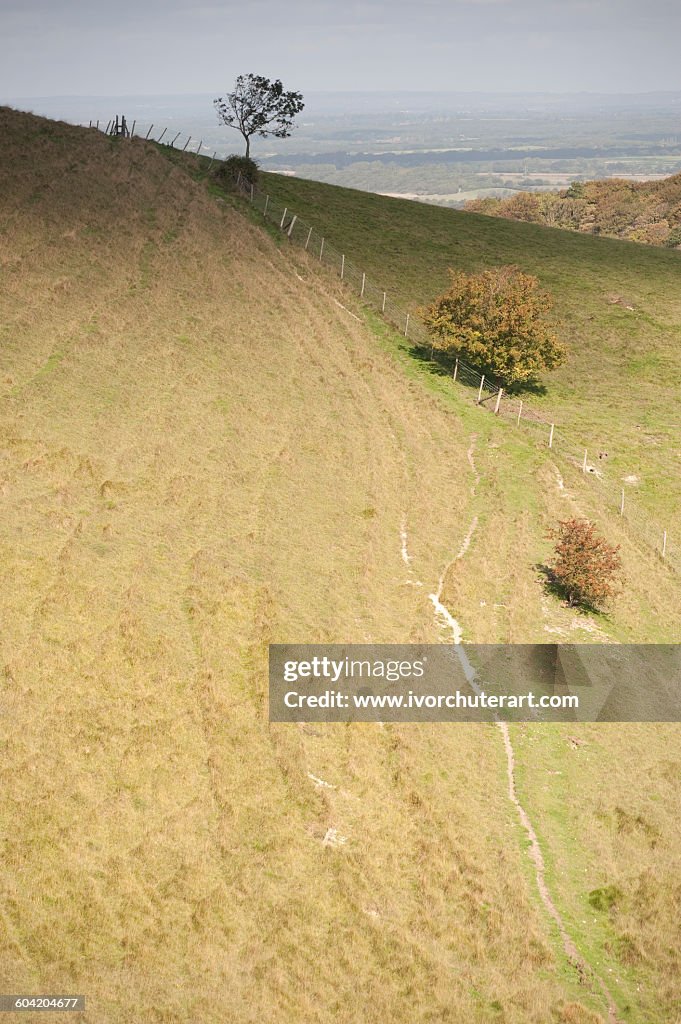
pixel 640 211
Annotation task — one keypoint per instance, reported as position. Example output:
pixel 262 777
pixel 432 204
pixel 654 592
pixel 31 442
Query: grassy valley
pixel 617 307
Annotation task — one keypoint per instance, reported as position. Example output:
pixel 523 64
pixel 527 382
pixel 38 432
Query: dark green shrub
pixel 605 898
pixel 227 171
pixel 575 190
pixel 673 240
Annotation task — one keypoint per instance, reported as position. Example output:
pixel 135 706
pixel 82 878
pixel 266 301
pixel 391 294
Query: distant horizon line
pixel 362 92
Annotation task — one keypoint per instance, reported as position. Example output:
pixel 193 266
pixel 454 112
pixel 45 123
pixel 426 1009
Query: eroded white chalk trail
pixel 444 617
pixel 586 974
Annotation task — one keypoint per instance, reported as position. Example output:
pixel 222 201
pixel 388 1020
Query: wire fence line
pixel 118 127
pixel 484 392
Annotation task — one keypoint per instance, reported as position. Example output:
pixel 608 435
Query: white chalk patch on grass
pixel 341 306
pixel 447 618
pixel 319 783
pixel 406 557
pixel 467 539
pixel 334 838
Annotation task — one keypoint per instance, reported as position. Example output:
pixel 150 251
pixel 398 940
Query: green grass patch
pixel 624 364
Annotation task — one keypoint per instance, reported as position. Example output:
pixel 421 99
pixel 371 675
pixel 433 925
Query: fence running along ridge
pixel 118 127
pixel 486 393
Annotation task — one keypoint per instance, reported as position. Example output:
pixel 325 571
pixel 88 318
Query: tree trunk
pixel 248 146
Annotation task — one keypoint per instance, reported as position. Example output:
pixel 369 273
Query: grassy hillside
pixel 204 450
pixel 618 390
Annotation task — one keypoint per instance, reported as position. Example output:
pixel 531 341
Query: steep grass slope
pixel 617 305
pixel 203 452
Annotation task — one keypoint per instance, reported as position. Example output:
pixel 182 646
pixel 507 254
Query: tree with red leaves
pixel 587 567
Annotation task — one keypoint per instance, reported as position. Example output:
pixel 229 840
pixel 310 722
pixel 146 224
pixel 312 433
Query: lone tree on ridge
pixel 258 106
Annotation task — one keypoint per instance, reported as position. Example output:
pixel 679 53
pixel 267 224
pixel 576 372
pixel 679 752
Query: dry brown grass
pixel 608 810
pixel 203 454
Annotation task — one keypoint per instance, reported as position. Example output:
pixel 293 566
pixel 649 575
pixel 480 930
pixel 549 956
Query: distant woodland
pixel 648 211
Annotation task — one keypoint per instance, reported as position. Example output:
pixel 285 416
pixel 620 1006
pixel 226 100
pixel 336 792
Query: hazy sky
pixel 107 47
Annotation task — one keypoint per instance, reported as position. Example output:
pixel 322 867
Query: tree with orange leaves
pixel 497 321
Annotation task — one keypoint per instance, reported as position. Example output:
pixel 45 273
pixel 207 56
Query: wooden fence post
pixel 307 240
pixel 132 130
pixel 364 280
pixel 584 462
pixel 342 267
pixel 149 132
pixel 186 143
pixel 456 368
pixel 551 435
pixel 283 218
pixel 496 407
pixel 175 139
pixel 290 227
pixel 406 326
pixel 482 384
pixel 664 543
pixel 162 134
pixel 321 250
pixel 267 203
pixel 520 412
pixel 622 503
pixel 383 307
